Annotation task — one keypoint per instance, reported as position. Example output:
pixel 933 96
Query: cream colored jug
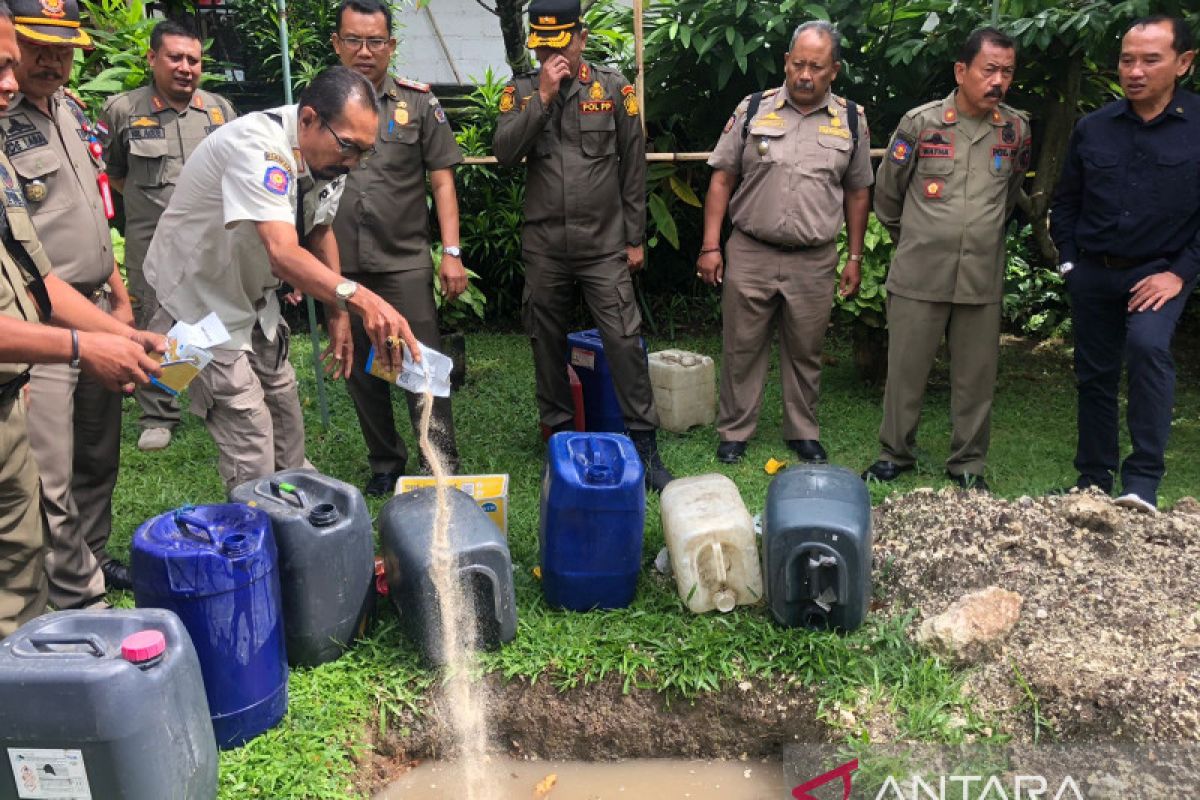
pixel 710 537
pixel 685 392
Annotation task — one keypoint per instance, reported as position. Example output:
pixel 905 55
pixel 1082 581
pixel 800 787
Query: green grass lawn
pixel 655 643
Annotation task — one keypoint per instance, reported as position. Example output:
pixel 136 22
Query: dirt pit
pixel 1107 643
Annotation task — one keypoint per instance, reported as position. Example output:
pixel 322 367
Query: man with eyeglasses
pixel 148 134
pixel 253 208
pixel 382 230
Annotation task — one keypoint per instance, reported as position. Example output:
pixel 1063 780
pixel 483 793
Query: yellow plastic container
pixel 685 389
pixel 710 538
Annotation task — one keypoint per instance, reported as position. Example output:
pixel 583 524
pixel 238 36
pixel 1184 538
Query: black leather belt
pixel 1119 262
pixel 783 248
pixel 91 291
pixel 10 390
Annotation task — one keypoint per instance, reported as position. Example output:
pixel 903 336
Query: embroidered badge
pixel 596 92
pixel 506 99
pixel 835 121
pixel 197 102
pixel 1008 134
pixel 216 116
pixel 22 135
pixel 996 118
pixel 157 103
pixel 933 187
pixel 585 73
pixel 950 115
pixel 830 130
pixel 770 120
pixel 901 151
pixel 54 8
pixel 596 107
pixel 729 125
pixel 936 144
pixel 439 114
pixel 12 197
pixel 101 128
pixel 416 85
pixel 400 116
pixel 276 180
pixel 631 105
pixel 143 122
pixel 278 158
pixel 525 101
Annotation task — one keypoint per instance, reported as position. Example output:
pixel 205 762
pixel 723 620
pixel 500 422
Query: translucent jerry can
pixel 685 389
pixel 710 538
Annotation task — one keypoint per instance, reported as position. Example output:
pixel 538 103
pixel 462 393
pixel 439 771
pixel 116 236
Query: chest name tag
pixel 596 107
pixel 147 133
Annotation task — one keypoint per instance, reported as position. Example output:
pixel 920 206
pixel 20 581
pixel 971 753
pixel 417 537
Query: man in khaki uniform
pixel 74 421
pixel 114 355
pixel 950 179
pixel 148 134
pixel 576 125
pixel 382 231
pixel 790 170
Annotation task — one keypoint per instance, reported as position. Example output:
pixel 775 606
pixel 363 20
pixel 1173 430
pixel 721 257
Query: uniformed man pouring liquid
pixel 576 125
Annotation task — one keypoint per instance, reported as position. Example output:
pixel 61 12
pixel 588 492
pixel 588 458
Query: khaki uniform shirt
pixel 58 176
pixel 585 194
pixel 146 143
pixel 793 168
pixel 206 254
pixel 383 220
pixel 14 297
pixel 944 190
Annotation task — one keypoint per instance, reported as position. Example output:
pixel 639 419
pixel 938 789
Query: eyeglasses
pixel 347 148
pixel 374 45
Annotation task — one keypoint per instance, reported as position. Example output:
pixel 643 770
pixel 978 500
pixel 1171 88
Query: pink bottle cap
pixel 143 646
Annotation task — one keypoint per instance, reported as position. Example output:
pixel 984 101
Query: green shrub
pixel 869 306
pixel 1035 302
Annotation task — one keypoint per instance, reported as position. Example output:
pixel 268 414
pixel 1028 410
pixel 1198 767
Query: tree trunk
pixel 1060 120
pixel 512 27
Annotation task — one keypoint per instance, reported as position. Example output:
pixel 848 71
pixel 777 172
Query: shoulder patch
pixel 416 86
pixel 770 92
pixel 841 101
pixel 901 151
pixel 276 180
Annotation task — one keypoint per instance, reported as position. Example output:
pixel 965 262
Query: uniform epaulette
pixel 770 92
pixel 841 101
pixel 414 85
pixel 1014 112
pixel 921 109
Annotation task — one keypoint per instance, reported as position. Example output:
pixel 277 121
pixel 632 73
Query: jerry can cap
pixel 143 646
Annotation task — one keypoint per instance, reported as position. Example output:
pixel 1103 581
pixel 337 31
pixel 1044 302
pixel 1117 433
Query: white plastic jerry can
pixel 685 389
pixel 710 538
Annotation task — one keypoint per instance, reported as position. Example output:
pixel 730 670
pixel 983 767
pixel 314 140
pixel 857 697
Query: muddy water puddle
pixel 657 779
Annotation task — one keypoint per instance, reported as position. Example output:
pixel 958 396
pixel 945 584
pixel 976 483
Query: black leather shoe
pixel 657 474
pixel 730 452
pixel 885 471
pixel 382 484
pixel 809 450
pixel 116 575
pixel 969 481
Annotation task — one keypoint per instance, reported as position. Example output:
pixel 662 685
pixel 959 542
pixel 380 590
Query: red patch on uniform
pixel 950 115
pixel 627 90
pixel 934 187
pixel 585 73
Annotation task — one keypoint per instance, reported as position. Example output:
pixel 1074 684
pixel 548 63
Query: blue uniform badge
pixel 276 180
pixel 12 198
pixel 901 151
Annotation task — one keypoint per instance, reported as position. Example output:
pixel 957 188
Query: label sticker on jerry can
pixel 49 774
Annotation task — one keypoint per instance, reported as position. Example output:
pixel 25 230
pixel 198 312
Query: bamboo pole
pixel 639 43
pixel 490 161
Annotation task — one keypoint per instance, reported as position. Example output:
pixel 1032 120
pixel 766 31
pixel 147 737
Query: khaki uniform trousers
pixel 763 284
pixel 915 329
pixel 250 403
pixel 411 293
pixel 75 432
pixel 159 408
pixel 23 534
pixel 608 291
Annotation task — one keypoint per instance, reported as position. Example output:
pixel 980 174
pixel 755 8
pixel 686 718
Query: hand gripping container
pixel 482 563
pixel 326 544
pixel 816 547
pixel 685 389
pixel 215 566
pixel 104 705
pixel 710 537
pixel 601 409
pixel 593 518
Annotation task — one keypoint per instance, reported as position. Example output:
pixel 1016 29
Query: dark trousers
pixel 608 291
pixel 411 293
pixel 1106 333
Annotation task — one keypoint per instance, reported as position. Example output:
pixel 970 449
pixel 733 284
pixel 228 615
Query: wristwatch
pixel 452 250
pixel 343 292
pixel 1065 267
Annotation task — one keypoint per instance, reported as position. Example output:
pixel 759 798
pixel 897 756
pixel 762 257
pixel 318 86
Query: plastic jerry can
pixel 817 547
pixel 593 515
pixel 104 705
pixel 482 561
pixel 710 538
pixel 602 411
pixel 580 421
pixel 685 389
pixel 216 567
pixel 326 544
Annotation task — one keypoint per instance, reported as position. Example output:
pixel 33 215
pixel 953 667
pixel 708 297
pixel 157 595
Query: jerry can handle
pixel 185 521
pixel 35 645
pixel 287 492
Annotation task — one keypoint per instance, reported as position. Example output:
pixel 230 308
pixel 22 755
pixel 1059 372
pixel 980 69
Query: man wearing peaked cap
pixel 55 153
pixel 577 127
